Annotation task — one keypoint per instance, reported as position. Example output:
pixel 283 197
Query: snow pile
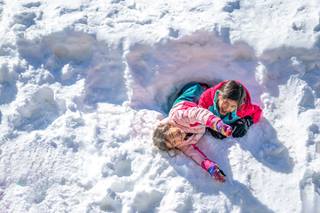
pixel 83 84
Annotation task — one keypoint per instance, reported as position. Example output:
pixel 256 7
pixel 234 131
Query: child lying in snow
pixel 187 122
pixel 230 101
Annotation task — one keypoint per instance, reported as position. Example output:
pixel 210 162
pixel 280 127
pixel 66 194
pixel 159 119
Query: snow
pixel 83 83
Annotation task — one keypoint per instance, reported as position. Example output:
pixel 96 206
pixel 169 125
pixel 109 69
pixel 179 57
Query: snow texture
pixel 83 83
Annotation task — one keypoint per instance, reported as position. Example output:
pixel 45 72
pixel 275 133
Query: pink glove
pixel 217 124
pixel 213 170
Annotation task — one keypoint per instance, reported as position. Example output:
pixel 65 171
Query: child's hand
pixel 219 126
pixel 223 128
pixel 216 134
pixel 214 170
pixel 241 126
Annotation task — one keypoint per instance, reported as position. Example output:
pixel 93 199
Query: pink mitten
pixel 217 124
pixel 213 170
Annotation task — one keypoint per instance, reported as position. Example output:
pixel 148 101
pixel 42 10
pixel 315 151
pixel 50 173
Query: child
pixel 230 101
pixel 186 124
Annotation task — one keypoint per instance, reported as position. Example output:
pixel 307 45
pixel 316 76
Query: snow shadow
pixel 105 81
pixel 313 79
pixel 69 56
pixel 8 88
pixel 240 195
pixel 262 142
pixel 237 193
pixel 159 70
pixel 277 65
pixel 8 92
pixel 111 202
pixel 310 191
pixel 52 52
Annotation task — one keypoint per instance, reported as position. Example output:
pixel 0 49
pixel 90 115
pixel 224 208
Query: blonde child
pixel 186 124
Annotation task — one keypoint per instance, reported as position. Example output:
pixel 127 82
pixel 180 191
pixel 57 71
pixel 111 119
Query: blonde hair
pixel 166 133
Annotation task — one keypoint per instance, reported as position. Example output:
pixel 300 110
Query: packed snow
pixel 83 83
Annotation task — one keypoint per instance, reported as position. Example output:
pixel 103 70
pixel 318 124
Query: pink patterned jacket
pixel 192 119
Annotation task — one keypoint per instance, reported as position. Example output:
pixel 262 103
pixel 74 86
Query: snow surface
pixel 84 82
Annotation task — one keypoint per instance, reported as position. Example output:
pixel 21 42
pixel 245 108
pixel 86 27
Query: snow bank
pixel 171 63
pixel 69 56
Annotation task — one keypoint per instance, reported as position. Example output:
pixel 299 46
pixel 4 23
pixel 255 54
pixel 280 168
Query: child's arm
pixel 202 160
pixel 194 153
pixel 193 116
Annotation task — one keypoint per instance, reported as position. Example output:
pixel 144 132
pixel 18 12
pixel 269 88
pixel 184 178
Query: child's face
pixel 176 137
pixel 226 105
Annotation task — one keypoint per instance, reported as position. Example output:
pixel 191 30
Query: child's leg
pixel 202 160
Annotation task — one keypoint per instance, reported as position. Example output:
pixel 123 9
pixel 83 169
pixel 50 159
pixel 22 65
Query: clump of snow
pixel 36 111
pixel 8 77
pixel 84 83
